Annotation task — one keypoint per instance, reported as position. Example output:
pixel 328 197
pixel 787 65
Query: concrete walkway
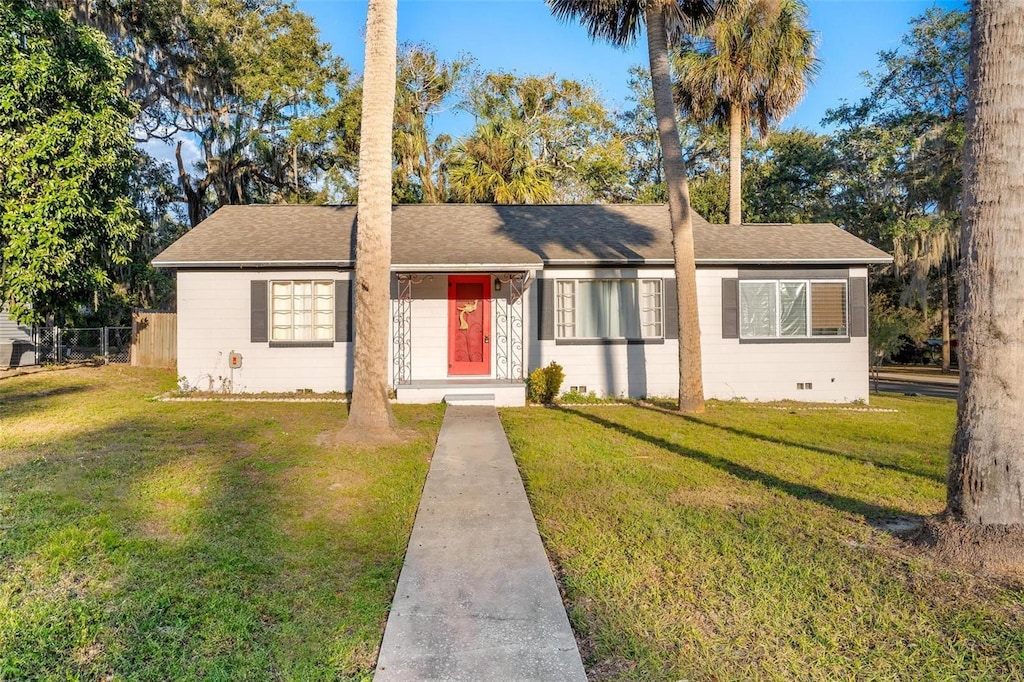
pixel 476 599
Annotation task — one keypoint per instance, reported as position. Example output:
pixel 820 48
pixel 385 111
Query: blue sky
pixel 523 36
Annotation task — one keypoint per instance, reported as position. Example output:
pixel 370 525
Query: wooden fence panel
pixel 154 339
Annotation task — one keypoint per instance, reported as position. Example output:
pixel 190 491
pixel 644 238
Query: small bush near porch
pixel 755 543
pixel 193 541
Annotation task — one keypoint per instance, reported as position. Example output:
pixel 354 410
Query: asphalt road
pixel 916 388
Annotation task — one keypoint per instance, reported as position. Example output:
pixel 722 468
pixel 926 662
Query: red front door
pixel 469 325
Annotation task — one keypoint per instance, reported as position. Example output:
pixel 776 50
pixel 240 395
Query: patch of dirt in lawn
pixel 329 494
pixel 12 458
pixel 365 438
pixel 171 494
pixel 996 550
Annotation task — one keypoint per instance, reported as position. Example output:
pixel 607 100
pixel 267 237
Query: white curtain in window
pixel 650 308
pixel 758 309
pixel 608 309
pixel 302 311
pixel 566 309
pixel 281 293
pixel 323 315
pixel 793 309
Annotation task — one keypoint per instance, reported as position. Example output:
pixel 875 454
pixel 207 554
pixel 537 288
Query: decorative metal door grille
pixel 508 333
pixel 401 329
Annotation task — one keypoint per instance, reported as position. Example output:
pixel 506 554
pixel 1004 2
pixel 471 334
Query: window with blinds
pixel 792 308
pixel 302 311
pixel 828 309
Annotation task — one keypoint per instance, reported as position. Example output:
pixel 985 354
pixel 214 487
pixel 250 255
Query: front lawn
pixel 142 540
pixel 751 543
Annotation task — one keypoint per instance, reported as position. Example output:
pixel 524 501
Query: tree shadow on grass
pixel 797 490
pixel 27 398
pixel 744 433
pixel 181 550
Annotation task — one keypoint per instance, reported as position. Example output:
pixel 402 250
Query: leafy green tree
pixel 250 84
pixel 702 147
pixel 66 217
pixel 892 327
pixel 790 178
pixel 496 165
pixel 426 87
pixel 748 67
pixel 620 22
pixel 137 284
pixel 902 150
pixel 555 141
pixel 269 73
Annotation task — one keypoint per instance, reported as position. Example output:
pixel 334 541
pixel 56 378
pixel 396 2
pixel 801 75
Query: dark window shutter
pixel 546 301
pixel 858 306
pixel 342 310
pixel 730 308
pixel 671 299
pixel 258 317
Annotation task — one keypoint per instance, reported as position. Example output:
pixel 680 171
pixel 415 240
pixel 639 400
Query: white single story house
pixel 483 294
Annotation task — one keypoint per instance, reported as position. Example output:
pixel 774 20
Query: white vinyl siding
pixel 609 309
pixel 792 309
pixel 302 311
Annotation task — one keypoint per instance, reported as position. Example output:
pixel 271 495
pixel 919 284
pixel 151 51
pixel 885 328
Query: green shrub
pixel 545 383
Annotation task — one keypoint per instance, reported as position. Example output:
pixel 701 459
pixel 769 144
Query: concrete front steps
pixel 474 392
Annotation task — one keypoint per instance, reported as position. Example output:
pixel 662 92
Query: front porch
pixel 459 337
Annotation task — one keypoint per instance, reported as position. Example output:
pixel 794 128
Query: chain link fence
pixel 55 345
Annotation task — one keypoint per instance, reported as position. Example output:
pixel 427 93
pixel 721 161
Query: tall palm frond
pixel 748 68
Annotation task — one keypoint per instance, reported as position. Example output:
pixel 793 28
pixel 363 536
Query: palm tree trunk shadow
pixel 799 491
pixel 929 475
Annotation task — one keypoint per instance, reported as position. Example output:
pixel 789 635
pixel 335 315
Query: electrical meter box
pixel 235 360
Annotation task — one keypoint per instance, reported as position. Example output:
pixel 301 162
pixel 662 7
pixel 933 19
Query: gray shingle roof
pixel 468 236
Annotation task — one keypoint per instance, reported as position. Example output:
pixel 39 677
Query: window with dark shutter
pixel 730 308
pixel 858 306
pixel 671 309
pixel 546 301
pixel 258 318
pixel 343 310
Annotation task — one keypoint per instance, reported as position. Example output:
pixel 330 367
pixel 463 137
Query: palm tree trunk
pixel 735 161
pixel 370 409
pixel 986 476
pixel 691 383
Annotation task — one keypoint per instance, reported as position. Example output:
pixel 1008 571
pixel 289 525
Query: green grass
pixel 143 540
pixel 745 543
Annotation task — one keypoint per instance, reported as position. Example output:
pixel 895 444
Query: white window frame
pixel 567 311
pixel 807 312
pixel 327 329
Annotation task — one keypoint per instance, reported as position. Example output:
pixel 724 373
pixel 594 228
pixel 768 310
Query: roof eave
pixel 795 261
pixel 462 267
pixel 182 265
pixel 608 261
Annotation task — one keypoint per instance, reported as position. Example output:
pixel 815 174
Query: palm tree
pixel 750 65
pixel 496 165
pixel 370 413
pixel 986 473
pixel 619 22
